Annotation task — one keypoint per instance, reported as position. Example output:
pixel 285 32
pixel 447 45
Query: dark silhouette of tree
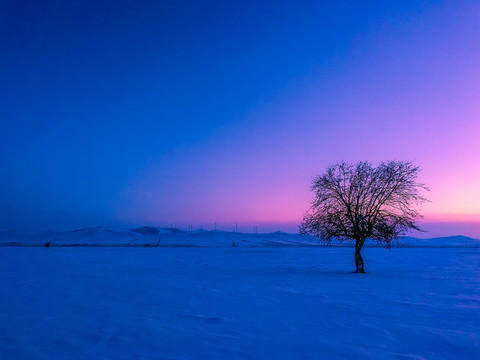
pixel 354 202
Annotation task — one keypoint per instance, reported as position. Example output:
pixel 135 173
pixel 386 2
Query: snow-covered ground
pixel 238 303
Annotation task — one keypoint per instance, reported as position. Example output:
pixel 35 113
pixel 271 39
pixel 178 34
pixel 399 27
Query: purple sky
pixel 227 120
pixel 406 89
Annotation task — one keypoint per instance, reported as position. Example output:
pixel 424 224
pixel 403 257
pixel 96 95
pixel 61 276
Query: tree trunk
pixel 358 257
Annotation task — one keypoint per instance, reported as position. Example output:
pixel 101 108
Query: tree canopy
pixel 359 201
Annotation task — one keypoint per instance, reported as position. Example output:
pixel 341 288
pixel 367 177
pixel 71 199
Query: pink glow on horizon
pixel 393 97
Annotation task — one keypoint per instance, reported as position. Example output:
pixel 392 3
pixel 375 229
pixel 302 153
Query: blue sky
pixel 189 112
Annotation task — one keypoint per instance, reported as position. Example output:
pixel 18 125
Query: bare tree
pixel 354 202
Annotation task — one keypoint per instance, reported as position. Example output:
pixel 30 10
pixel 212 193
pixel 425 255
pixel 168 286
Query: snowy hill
pixel 447 241
pixel 152 236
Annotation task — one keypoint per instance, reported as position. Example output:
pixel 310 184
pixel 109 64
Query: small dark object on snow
pixel 47 244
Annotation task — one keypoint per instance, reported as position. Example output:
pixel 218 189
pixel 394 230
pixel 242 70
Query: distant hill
pixel 150 230
pixel 447 241
pixel 173 230
pixel 152 236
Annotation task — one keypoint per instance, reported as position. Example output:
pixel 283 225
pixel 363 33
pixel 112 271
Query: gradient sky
pixel 195 112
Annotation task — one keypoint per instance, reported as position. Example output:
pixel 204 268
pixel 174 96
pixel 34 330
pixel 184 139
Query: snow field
pixel 238 303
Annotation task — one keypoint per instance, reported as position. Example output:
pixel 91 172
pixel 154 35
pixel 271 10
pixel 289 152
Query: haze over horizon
pixel 190 113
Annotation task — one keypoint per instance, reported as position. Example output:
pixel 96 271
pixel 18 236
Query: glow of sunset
pixel 197 114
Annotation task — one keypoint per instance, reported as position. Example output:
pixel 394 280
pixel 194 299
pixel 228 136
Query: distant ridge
pixel 146 230
pixel 162 237
pixel 277 233
pixel 88 229
pixel 457 240
pixel 173 230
